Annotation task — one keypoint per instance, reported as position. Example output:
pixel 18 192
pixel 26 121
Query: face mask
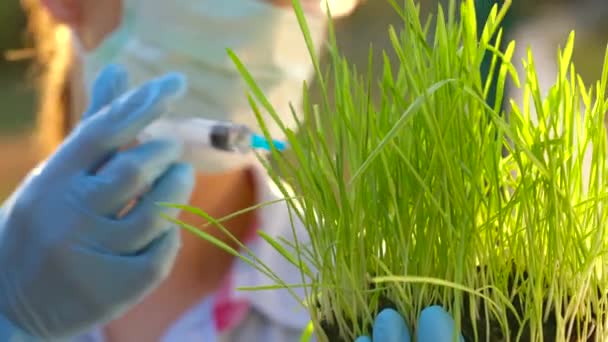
pixel 192 37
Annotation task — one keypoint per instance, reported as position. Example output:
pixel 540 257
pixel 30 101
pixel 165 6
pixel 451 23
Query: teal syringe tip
pixel 258 141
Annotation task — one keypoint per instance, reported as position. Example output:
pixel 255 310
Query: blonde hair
pixel 53 61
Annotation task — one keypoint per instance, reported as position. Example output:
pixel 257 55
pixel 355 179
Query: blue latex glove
pixel 434 325
pixel 68 260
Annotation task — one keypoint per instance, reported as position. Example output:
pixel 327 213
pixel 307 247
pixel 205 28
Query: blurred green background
pixel 17 100
pixel 543 24
pixel 16 95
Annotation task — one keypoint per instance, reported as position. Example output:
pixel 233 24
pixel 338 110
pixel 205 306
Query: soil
pixel 481 327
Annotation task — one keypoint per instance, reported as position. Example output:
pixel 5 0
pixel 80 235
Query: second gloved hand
pixel 68 260
pixel 434 325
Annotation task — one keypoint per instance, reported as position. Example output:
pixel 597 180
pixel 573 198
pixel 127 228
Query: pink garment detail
pixel 228 312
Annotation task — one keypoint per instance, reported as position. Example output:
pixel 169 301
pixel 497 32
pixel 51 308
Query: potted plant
pixel 432 196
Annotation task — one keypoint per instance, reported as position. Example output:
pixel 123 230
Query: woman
pixel 198 300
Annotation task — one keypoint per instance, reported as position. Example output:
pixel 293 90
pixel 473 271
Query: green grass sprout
pixel 434 194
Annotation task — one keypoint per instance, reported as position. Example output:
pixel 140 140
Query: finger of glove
pixel 145 222
pixel 363 339
pixel 111 83
pixel 157 259
pixel 435 324
pixel 389 326
pixel 108 283
pixel 120 123
pixel 129 173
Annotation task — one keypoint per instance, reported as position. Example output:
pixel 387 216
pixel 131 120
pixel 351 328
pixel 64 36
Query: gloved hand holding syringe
pixel 220 135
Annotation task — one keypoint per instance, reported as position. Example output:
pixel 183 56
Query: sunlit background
pixel 541 24
pixel 17 100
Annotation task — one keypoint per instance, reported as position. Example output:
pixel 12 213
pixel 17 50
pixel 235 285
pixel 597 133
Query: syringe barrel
pixel 203 133
pixel 231 137
pixel 221 135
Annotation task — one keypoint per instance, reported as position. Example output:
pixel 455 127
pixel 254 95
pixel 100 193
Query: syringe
pixel 224 135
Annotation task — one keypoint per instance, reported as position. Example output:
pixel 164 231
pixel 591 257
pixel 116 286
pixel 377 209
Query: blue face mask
pixel 158 36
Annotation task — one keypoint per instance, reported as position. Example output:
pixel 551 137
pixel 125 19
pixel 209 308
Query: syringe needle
pixel 259 141
pixel 220 135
